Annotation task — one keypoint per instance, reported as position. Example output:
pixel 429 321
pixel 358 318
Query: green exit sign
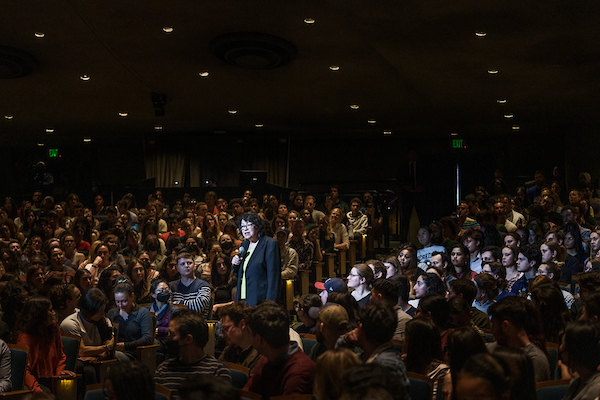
pixel 457 143
pixel 52 153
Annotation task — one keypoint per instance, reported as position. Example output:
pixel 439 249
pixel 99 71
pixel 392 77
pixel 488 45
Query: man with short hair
pixel 303 247
pixel 189 290
pixel 511 215
pixel 510 318
pixel 374 336
pixel 235 331
pixel 491 254
pixel 357 221
pixel 237 206
pixel 536 190
pixel 334 195
pixel 500 211
pixel 386 291
pixel 284 368
pixel 528 260
pixel 310 203
pixel 188 334
pixel 289 257
pixel 467 289
pixel 332 322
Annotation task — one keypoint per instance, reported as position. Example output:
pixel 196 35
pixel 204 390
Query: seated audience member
pixel 580 351
pixel 548 299
pixel 302 305
pixel 190 290
pixel 284 369
pixel 340 233
pixel 37 329
pixel 426 284
pixel 514 320
pixel 460 264
pixel 498 272
pixel 129 381
pixel 473 242
pixel 207 388
pixel 162 308
pixel 372 381
pixel 386 291
pixel 391 266
pixel 188 334
pixel 491 254
pixel 5 368
pixel 350 305
pixel 332 322
pixel 64 299
pixel 135 323
pixel 487 291
pixel 289 256
pixel 83 280
pixel 463 343
pixel 520 372
pixel 528 260
pixel 374 336
pixel 378 268
pixel 329 286
pixel 468 291
pixel 136 271
pixel 425 236
pixel 461 313
pixel 235 331
pixel 331 367
pixel 357 221
pixel 423 351
pixel 589 282
pixel 483 376
pixel 403 295
pixel 591 307
pixel 360 279
pixel 434 307
pixel 303 247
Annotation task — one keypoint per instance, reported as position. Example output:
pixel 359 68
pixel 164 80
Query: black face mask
pixel 153 247
pixel 192 248
pixel 163 297
pixel 227 246
pixel 172 348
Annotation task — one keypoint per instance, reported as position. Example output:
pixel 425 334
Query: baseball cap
pixel 333 315
pixel 332 285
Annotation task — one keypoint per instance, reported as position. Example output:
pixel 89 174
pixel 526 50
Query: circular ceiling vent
pixel 15 63
pixel 253 50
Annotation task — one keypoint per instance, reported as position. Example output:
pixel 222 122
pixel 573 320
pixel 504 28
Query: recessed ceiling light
pixel 480 34
pixel 334 68
pixel 309 21
pixel 508 116
pixel 501 101
pixel 84 77
pixel 258 125
pixel 9 116
pixel 203 74
pixel 87 140
pixel 387 133
pixel 158 127
pixel 40 35
pixel 123 114
pixel 354 106
pixel 41 144
pixel 454 134
pixel 371 121
pixel 232 112
pixel 49 130
pixel 492 71
pixel 168 29
pixel 516 127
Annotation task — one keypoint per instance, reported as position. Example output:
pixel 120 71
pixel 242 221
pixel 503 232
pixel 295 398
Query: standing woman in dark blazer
pixel 258 267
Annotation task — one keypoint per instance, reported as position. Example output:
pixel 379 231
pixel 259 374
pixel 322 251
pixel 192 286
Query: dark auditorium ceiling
pixel 414 67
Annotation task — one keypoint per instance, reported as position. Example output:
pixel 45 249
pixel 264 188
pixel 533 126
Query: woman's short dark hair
pixel 92 302
pixel 582 341
pixel 255 220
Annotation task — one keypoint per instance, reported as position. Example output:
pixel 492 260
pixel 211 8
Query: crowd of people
pixel 473 305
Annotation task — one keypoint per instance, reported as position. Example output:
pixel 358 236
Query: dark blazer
pixel 263 274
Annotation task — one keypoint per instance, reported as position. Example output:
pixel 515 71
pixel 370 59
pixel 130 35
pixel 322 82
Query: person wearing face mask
pixel 188 334
pixel 227 245
pixel 193 248
pixel 162 308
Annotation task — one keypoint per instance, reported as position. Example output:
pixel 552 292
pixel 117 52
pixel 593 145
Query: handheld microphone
pixel 242 253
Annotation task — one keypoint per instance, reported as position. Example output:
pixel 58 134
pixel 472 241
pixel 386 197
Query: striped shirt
pixel 172 372
pixel 196 296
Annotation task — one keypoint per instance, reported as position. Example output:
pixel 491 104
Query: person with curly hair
pixel 37 329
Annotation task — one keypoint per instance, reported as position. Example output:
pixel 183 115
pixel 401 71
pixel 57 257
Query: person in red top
pixel 38 330
pixel 284 368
